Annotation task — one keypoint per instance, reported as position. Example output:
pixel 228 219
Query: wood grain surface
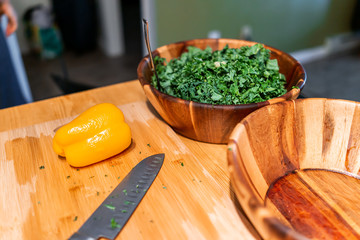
pixel 289 137
pixel 193 119
pixel 320 204
pixel 42 197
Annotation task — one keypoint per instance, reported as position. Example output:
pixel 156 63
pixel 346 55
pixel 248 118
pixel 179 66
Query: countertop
pixel 43 197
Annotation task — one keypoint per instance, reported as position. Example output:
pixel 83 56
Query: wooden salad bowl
pixel 207 122
pixel 294 168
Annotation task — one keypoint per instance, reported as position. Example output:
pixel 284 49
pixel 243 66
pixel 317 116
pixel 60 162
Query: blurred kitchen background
pixel 101 41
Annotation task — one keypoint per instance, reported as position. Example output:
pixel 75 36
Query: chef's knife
pixel 111 216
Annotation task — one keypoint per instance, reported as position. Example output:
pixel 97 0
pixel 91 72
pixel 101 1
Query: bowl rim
pixel 295 91
pixel 236 170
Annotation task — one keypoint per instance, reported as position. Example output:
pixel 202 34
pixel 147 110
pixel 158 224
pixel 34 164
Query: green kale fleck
pixel 114 224
pixel 109 206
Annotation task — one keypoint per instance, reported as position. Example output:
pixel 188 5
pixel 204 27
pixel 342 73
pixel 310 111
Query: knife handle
pixel 78 236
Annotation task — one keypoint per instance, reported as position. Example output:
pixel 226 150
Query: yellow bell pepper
pixel 97 134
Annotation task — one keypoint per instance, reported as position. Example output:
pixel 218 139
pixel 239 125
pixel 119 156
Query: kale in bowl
pixel 228 76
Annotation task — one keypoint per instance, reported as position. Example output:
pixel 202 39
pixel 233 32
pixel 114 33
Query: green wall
pixel 288 25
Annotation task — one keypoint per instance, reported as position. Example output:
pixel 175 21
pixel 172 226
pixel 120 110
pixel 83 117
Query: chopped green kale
pixel 228 76
pixel 109 206
pixel 114 224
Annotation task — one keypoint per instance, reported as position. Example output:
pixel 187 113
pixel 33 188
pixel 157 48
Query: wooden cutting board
pixel 43 197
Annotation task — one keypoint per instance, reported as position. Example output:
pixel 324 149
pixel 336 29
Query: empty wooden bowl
pixel 207 122
pixel 294 168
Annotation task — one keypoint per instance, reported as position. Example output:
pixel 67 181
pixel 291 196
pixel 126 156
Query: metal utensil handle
pixel 147 41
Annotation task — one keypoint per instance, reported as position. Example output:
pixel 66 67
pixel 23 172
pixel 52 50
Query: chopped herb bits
pixel 42 167
pixel 228 76
pixel 114 224
pixel 128 203
pixel 109 206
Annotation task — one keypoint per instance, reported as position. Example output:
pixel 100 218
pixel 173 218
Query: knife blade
pixel 111 216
